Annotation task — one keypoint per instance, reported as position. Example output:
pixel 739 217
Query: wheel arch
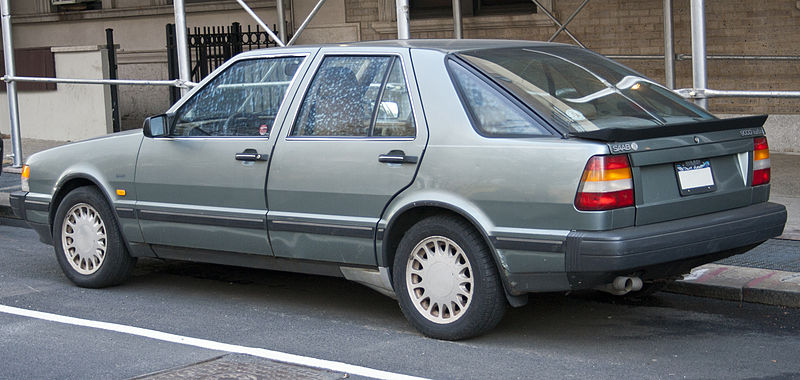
pixel 410 214
pixel 71 182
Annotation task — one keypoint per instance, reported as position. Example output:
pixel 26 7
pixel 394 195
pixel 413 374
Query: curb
pixel 732 283
pixel 11 169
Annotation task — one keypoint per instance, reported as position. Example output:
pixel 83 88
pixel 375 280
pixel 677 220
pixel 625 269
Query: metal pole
pixel 669 46
pixel 306 21
pixel 540 7
pixel 569 20
pixel 112 74
pixel 457 28
pixel 13 106
pixel 281 21
pixel 261 23
pixel 132 82
pixel 403 32
pixel 699 79
pixel 184 69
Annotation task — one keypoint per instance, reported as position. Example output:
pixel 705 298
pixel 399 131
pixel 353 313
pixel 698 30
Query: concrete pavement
pixel 744 279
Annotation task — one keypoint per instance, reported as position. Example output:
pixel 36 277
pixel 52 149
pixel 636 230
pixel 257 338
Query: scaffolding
pixel 699 91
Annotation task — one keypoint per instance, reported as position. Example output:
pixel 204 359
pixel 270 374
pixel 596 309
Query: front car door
pixel 354 142
pixel 203 186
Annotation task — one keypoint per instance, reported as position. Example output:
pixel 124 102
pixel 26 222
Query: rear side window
pixel 492 113
pixel 356 96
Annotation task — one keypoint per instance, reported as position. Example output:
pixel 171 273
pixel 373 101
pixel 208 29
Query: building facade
pixel 630 30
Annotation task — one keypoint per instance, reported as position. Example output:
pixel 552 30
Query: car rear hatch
pixel 689 169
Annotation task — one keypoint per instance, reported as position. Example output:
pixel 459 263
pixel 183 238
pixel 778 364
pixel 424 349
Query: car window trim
pixel 502 92
pixel 321 57
pixel 203 84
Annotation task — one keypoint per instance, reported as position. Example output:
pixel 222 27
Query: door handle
pixel 251 155
pixel 397 157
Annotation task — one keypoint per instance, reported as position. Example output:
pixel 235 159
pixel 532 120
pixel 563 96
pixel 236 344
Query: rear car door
pixel 202 187
pixel 355 141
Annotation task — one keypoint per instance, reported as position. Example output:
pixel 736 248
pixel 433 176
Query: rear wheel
pixel 446 281
pixel 87 241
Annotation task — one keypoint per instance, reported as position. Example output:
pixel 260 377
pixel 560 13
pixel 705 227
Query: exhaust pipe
pixel 622 285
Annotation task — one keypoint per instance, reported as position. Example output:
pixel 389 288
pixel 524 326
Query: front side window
pixel 356 96
pixel 241 101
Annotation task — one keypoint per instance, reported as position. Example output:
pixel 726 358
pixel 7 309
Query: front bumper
pixel 659 250
pixel 20 205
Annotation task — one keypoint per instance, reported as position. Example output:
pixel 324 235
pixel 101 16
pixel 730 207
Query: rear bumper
pixel 21 207
pixel 661 250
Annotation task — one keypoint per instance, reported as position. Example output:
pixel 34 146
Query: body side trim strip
pixel 322 229
pixel 206 220
pixel 528 244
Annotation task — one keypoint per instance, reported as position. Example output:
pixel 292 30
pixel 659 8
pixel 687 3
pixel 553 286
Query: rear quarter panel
pixel 511 187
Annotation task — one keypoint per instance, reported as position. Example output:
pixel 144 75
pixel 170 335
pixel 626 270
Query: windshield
pixel 582 90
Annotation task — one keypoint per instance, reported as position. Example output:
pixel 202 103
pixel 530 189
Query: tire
pixel 454 296
pixel 87 240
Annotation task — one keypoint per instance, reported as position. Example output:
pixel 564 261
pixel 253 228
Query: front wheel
pixel 446 281
pixel 87 241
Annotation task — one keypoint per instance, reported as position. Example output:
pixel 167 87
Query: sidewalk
pixel 769 274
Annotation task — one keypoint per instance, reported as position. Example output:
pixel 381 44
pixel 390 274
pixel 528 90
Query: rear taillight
pixel 761 163
pixel 606 184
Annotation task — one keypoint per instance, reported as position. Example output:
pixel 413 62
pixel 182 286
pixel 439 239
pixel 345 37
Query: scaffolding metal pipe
pixel 457 28
pixel 540 7
pixel 669 46
pixel 136 82
pixel 305 22
pixel 697 93
pixel 260 22
pixel 13 105
pixel 184 66
pixel 699 72
pixel 403 29
pixel 569 20
pixel 635 56
pixel 281 20
pixel 682 57
pixel 688 57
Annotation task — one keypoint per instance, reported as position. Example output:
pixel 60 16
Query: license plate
pixel 695 177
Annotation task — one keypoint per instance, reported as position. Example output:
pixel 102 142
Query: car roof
pixel 442 45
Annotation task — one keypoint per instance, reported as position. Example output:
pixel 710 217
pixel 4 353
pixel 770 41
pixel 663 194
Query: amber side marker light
pixel 26 175
pixel 761 162
pixel 606 184
pixel 121 192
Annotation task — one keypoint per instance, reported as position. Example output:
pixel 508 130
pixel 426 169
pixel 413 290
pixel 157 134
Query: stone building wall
pixel 625 27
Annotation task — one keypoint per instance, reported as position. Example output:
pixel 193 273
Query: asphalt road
pixel 578 336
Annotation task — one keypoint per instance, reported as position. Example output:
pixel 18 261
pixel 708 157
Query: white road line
pixel 209 344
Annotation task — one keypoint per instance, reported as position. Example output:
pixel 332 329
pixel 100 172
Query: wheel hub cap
pixel 439 280
pixel 83 238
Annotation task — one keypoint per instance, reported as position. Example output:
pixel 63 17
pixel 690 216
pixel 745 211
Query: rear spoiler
pixel 749 126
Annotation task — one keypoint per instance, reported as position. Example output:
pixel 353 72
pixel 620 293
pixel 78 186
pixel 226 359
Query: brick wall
pixel 621 27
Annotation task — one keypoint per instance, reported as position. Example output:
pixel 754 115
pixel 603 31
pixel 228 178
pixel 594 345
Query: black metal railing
pixel 211 46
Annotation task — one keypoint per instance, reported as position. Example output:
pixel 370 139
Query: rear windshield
pixel 583 91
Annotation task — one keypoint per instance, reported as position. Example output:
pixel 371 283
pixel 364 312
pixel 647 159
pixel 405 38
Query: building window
pixel 444 8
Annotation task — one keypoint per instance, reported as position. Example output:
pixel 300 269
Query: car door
pixel 202 186
pixel 355 141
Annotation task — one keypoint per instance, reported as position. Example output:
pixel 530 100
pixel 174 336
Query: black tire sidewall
pixel 116 265
pixel 488 299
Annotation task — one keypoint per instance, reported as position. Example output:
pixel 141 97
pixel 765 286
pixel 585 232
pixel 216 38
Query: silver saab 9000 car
pixel 457 176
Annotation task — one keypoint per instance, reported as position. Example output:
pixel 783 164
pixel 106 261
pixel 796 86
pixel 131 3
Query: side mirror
pixel 156 126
